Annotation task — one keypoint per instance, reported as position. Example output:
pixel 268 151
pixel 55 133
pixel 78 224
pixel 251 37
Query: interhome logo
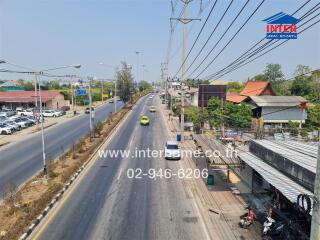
pixel 281 26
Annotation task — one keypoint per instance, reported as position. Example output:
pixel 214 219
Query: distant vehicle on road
pixel 151 97
pixel 144 120
pixel 87 111
pixel 111 101
pixel 172 150
pixel 4 130
pixel 152 109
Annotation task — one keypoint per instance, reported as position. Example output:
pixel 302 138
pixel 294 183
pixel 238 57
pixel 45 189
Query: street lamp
pixel 39 73
pixel 115 85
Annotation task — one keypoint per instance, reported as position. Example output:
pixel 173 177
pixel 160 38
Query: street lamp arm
pixel 68 66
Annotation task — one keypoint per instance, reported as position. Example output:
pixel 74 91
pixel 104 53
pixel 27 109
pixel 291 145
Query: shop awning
pixel 284 184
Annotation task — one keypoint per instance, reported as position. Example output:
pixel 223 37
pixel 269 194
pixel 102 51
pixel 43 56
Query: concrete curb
pixel 59 195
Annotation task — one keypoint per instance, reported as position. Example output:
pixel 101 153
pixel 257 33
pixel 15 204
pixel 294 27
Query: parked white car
pixel 21 123
pixel 172 150
pixel 26 112
pixel 4 130
pixel 11 123
pixel 7 112
pixel 51 113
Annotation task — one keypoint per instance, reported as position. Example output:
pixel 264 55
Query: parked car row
pixel 18 119
pixel 9 125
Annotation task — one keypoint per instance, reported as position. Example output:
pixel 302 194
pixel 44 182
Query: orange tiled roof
pixel 256 88
pixel 235 98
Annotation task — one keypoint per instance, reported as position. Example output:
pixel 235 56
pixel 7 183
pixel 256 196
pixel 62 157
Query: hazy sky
pixel 49 33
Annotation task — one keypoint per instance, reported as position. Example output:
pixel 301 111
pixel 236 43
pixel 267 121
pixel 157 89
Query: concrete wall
pixel 282 114
pixel 292 170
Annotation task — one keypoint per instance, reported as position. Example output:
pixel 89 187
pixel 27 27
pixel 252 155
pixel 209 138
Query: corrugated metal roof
pixel 285 185
pixel 277 101
pixel 300 153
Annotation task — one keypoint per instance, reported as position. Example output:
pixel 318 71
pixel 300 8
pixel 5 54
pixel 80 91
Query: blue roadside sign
pixel 81 92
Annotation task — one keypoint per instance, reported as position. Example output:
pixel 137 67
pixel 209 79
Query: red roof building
pixel 50 99
pixel 252 88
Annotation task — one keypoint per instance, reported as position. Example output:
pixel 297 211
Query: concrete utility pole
pixel 185 20
pixel 90 106
pixel 42 134
pixel 315 224
pixel 164 68
pixel 138 66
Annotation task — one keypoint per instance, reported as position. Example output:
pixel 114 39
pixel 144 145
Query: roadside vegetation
pixel 21 206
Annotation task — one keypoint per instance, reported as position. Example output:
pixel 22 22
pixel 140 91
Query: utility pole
pixel 90 106
pixel 315 224
pixel 185 20
pixel 164 68
pixel 101 90
pixel 42 134
pixel 115 96
pixel 137 53
pixel 35 99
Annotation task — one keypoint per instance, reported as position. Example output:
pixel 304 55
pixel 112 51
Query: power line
pixel 205 44
pixel 244 6
pixel 260 49
pixel 257 8
pixel 189 31
pixel 248 52
pixel 243 63
pixel 195 41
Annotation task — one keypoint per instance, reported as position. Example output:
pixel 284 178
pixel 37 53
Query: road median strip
pixel 89 153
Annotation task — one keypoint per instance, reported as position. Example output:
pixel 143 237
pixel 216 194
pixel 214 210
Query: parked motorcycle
pixel 272 228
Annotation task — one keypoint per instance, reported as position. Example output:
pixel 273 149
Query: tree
pixel 313 120
pixel 234 115
pixel 260 77
pixel 28 86
pixel 52 85
pixel 143 85
pixel 124 83
pixel 196 82
pixel 197 116
pixel 235 87
pixel 215 116
pixel 302 84
pixel 273 72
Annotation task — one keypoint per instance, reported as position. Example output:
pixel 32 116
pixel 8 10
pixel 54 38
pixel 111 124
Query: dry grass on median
pixel 21 207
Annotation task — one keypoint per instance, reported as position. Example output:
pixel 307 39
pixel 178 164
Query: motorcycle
pixel 272 228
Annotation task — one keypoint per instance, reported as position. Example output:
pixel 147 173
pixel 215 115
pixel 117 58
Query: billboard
pixel 207 91
pixel 81 92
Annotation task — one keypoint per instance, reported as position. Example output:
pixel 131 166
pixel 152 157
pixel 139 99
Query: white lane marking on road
pixel 120 173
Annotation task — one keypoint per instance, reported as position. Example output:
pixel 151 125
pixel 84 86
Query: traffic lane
pixel 79 212
pixel 23 159
pixel 145 208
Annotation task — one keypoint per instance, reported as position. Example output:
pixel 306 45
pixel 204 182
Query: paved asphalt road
pixel 23 159
pixel 109 205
